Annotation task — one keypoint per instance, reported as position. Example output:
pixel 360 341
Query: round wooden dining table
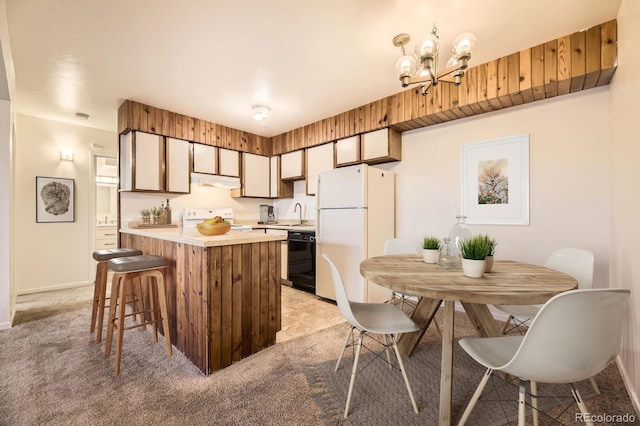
pixel 509 283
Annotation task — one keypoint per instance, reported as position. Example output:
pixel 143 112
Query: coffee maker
pixel 266 214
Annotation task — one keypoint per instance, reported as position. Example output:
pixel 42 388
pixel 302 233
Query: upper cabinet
pixel 146 166
pixel 348 151
pixel 177 165
pixel 278 188
pixel 255 176
pixel 292 165
pixel 205 159
pixel 229 164
pixel 381 146
pixel 319 158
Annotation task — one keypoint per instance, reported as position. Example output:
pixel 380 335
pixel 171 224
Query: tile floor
pixel 305 313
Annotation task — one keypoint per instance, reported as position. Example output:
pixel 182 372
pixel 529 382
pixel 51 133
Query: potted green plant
pixel 430 249
pixel 474 251
pixel 489 259
pixel 146 216
pixel 155 212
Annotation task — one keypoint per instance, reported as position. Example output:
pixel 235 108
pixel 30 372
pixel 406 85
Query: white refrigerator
pixel 356 215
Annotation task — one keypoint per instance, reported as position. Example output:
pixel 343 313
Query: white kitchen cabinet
pixel 255 176
pixel 205 159
pixel 106 237
pixel 148 160
pixel 381 146
pixel 348 151
pixel 318 159
pixel 177 165
pixel 125 162
pixel 229 162
pixel 292 165
pixel 278 188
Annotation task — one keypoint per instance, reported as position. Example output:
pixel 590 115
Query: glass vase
pixel 450 257
pixel 459 232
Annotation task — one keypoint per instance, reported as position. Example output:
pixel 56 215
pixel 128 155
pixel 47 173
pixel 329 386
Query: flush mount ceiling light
pixel 261 112
pixel 423 68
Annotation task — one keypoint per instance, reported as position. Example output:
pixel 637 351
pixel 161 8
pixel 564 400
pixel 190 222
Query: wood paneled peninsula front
pixel 223 292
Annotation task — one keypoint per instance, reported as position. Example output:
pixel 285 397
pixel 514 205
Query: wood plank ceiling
pixel 576 62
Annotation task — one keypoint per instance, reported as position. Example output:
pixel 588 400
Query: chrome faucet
pixel 295 208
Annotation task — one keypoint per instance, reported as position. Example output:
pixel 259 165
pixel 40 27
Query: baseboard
pixel 5 325
pixel 52 288
pixel 628 385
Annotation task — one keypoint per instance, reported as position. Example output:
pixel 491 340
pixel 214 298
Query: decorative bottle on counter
pixel 167 213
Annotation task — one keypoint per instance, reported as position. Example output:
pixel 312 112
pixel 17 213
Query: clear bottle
pixel 167 213
pixel 459 232
pixel 450 257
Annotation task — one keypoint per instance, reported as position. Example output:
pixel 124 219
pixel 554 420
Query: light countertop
pixel 285 225
pixel 191 236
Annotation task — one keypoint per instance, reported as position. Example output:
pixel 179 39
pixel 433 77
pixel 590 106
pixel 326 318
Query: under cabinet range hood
pixel 215 180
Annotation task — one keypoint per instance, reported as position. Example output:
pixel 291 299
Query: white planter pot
pixel 488 264
pixel 473 268
pixel 430 256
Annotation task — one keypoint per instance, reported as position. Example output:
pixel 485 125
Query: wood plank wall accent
pixel 145 118
pixel 580 61
pixel 223 302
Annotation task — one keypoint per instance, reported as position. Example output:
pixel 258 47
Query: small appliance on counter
pixel 191 217
pixel 267 215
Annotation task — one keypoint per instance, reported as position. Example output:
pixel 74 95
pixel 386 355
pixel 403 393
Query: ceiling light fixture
pixel 82 115
pixel 261 112
pixel 427 74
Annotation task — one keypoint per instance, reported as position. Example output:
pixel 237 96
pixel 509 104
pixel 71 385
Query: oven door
pixel 302 260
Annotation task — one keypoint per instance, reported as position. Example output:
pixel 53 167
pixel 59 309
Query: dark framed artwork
pixel 55 199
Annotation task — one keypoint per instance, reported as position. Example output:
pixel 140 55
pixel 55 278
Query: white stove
pixel 191 217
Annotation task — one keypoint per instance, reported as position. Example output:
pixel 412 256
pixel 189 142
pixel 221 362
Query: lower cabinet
pixel 106 237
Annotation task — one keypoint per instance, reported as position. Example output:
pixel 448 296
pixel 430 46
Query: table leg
pixel 422 316
pixel 446 369
pixel 482 320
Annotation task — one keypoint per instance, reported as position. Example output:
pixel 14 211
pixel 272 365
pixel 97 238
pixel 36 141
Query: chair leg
pixel 100 283
pixel 162 296
pixel 122 303
pixel 522 414
pixel 354 370
pixel 137 300
pixel 115 289
pixel 475 397
pixel 344 347
pixel 594 385
pixel 534 402
pixel 580 402
pixel 102 301
pixel 404 375
pixel 506 325
pixel 386 349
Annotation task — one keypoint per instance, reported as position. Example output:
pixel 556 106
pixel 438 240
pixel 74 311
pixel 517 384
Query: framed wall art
pixel 55 199
pixel 495 181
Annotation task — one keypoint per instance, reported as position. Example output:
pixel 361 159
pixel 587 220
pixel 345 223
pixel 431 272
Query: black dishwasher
pixel 302 260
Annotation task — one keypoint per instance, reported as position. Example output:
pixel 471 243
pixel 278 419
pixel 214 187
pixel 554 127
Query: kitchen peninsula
pixel 223 292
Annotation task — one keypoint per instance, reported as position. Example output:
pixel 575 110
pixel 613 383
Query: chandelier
pixel 423 68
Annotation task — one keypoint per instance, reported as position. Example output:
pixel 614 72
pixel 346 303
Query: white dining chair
pixel 578 331
pixel 377 318
pixel 575 262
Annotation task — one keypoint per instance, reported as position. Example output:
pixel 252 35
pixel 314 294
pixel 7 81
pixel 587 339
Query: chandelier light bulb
pixel 428 47
pixel 406 66
pixel 463 45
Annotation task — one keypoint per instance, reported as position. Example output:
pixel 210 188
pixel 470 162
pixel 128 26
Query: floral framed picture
pixel 55 199
pixel 495 181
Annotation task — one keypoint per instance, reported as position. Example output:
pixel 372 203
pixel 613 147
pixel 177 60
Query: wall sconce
pixel 66 154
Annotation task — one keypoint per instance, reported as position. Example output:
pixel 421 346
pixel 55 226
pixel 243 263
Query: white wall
pixel 625 187
pixel 569 175
pixel 53 255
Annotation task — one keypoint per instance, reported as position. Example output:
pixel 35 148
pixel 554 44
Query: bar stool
pixel 125 269
pixel 100 287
